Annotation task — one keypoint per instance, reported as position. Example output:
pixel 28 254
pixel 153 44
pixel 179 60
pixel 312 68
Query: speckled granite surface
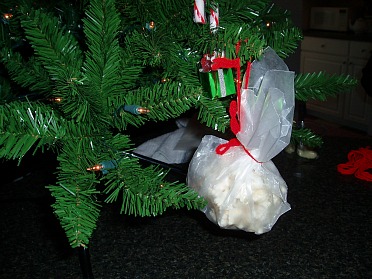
pixel 326 234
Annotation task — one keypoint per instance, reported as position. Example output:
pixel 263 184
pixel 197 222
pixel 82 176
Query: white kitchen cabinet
pixel 351 108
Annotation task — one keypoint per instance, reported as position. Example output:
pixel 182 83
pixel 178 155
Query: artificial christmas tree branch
pixel 89 85
pixel 75 77
pixel 306 137
pixel 27 124
pixel 320 86
pixel 30 74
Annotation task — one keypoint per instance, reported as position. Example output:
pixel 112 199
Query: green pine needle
pixel 306 137
pixel 320 86
pixel 143 192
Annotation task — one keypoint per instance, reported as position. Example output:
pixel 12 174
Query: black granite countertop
pixel 326 234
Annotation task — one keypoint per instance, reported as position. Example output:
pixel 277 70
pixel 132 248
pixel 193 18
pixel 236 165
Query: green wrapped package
pixel 219 83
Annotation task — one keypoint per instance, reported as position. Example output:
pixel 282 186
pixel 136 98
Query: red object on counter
pixel 359 164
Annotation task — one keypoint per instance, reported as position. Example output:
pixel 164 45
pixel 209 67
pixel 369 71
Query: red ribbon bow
pixel 235 128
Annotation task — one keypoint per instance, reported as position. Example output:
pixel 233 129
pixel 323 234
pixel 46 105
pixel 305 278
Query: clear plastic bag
pixel 241 193
pixel 246 191
pixel 267 107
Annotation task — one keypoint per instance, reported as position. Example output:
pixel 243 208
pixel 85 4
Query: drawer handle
pixel 363 50
pixel 322 46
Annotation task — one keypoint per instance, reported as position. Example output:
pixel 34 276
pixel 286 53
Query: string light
pixel 135 109
pixel 7 16
pixel 143 110
pixel 150 26
pixel 95 168
pixel 56 99
pixel 104 166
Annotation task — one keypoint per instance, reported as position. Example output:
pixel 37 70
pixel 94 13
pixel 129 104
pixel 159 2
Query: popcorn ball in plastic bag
pixel 241 193
pixel 242 186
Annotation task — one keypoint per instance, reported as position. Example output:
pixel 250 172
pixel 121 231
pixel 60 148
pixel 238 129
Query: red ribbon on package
pixel 360 161
pixel 234 107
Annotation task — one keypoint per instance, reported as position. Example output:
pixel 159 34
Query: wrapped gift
pixel 220 83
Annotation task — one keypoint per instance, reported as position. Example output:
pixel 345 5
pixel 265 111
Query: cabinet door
pixel 361 50
pixel 331 64
pixel 358 107
pixel 326 46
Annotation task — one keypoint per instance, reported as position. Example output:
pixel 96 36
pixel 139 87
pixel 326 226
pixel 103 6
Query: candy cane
pixel 199 14
pixel 213 18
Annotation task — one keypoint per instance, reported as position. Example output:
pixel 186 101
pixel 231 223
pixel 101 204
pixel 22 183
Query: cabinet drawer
pixel 328 46
pixel 360 49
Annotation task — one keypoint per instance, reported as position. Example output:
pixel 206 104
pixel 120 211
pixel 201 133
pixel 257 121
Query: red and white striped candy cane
pixel 213 18
pixel 199 13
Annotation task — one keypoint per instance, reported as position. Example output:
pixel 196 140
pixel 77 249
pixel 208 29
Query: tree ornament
pixel 199 12
pixel 214 17
pixel 219 81
pixel 243 187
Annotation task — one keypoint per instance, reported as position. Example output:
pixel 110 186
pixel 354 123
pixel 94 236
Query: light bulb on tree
pixel 95 168
pixel 7 16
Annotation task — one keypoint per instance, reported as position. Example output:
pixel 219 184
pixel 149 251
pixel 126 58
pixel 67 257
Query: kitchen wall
pixel 300 11
pixel 358 8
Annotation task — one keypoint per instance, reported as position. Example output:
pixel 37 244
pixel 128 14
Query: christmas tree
pixel 77 76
